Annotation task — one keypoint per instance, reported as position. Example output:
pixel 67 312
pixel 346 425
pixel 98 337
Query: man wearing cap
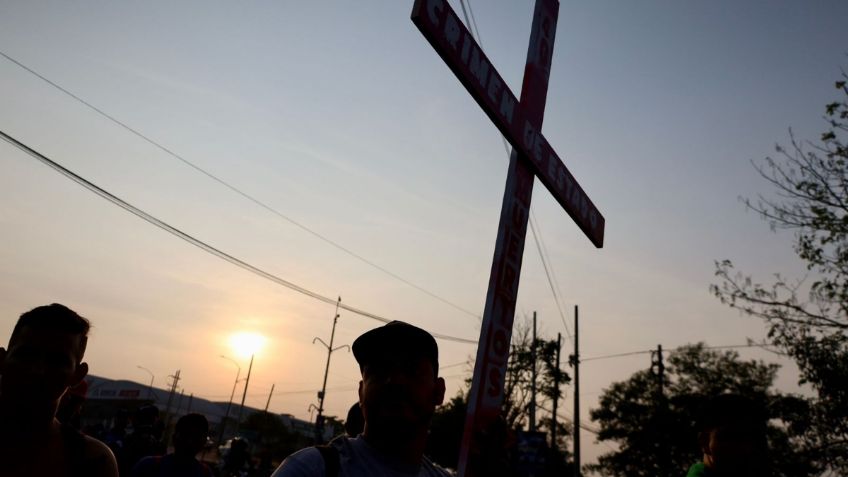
pixel 398 393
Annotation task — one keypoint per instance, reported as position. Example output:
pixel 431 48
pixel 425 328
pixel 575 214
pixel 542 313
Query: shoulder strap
pixel 331 460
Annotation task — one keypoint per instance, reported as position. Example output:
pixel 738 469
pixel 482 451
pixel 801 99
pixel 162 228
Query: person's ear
pixel 79 374
pixel 439 392
pixel 360 393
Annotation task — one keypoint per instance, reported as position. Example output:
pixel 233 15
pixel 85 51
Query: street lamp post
pixel 230 403
pixel 152 377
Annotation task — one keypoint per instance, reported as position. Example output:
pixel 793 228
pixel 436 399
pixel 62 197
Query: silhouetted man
pixel 143 441
pixel 732 436
pixel 190 436
pixel 398 394
pixel 44 359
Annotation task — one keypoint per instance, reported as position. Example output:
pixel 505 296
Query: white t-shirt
pixel 357 458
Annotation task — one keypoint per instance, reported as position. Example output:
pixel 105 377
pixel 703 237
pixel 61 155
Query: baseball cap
pixel 393 341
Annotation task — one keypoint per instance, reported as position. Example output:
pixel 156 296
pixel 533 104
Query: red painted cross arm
pixel 454 43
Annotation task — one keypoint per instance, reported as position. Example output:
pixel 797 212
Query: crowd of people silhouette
pixel 43 388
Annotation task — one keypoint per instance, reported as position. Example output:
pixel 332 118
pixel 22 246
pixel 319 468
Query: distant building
pixel 106 396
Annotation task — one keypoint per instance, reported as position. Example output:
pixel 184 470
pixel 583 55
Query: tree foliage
pixel 655 431
pixel 808 321
pixel 449 420
pixel 446 431
pixel 519 376
pixel 270 435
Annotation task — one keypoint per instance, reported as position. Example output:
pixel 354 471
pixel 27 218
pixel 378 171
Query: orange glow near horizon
pixel 247 343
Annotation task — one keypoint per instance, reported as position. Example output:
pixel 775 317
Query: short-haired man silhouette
pixel 190 435
pixel 42 360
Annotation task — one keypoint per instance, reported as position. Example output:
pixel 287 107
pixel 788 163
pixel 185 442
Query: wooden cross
pixel 532 155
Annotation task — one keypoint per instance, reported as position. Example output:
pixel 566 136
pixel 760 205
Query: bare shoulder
pixel 99 458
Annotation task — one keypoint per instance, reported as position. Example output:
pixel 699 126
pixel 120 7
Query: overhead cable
pixel 199 243
pixel 537 238
pixel 633 353
pixel 237 190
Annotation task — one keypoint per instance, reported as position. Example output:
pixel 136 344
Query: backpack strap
pixel 330 454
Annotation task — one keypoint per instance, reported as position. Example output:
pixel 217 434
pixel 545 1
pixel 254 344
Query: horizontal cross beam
pixel 453 42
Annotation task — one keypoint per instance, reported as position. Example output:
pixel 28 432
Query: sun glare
pixel 246 343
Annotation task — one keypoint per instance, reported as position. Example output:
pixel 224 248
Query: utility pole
pixel 533 381
pixel 176 379
pixel 575 361
pixel 319 420
pixel 657 362
pixel 230 402
pixel 265 413
pixel 556 395
pixel 244 394
pixel 269 398
pixel 660 426
pixel 180 401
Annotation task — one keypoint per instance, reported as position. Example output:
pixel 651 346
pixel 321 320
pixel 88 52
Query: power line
pixel 473 20
pixel 583 426
pixel 237 190
pixel 618 355
pixel 465 14
pixel 197 242
pixel 632 353
pixel 453 365
pixel 555 285
pixel 460 375
pixel 281 393
pixel 536 238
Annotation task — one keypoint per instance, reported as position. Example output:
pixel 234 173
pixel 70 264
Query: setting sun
pixel 247 343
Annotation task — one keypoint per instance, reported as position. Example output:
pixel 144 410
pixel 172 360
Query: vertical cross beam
pixel 487 386
pixel 520 122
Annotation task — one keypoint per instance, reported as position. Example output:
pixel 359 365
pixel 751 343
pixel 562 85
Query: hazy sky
pixel 340 116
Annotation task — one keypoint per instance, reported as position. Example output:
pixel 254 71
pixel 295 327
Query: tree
pixel 519 376
pixel 809 322
pixel 449 420
pixel 270 435
pixel 656 435
pixel 446 431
